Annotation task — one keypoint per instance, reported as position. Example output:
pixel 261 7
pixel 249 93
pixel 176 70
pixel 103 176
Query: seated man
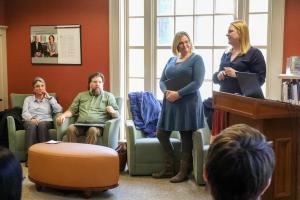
pixel 239 164
pixel 93 106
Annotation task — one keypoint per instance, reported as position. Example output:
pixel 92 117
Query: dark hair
pixel 97 74
pixel 37 79
pixel 239 164
pixel 10 176
pixel 52 37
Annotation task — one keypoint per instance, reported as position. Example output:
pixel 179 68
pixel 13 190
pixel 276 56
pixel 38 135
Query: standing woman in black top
pixel 241 57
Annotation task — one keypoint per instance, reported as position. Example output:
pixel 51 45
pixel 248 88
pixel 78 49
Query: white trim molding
pixel 275 55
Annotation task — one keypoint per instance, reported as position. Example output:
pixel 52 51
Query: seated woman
pixel 37 113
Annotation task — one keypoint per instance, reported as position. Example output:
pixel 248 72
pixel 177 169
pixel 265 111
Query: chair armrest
pixel 131 132
pixel 111 133
pixel 54 117
pixel 206 133
pixel 199 155
pixel 11 127
pixel 61 129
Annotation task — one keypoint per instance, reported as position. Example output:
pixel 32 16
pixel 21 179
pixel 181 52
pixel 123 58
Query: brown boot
pixel 183 173
pixel 168 170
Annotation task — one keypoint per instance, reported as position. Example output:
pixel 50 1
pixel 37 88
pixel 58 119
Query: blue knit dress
pixel 185 114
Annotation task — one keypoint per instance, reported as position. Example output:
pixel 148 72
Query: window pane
pixel 165 31
pixel 136 63
pixel 225 6
pixel 204 6
pixel 136 85
pixel 206 55
pixel 217 59
pixel 136 7
pixel 206 89
pixel 136 32
pixel 220 27
pixel 184 7
pixel 258 26
pixel 204 31
pixel 185 24
pixel 162 58
pixel 159 94
pixel 258 5
pixel 165 7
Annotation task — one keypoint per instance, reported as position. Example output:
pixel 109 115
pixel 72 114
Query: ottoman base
pixel 87 192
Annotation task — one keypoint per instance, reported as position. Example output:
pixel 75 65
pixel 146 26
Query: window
pixel 206 21
pixel 147 27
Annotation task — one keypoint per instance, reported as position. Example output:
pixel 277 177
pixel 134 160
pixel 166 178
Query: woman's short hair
pixel 242 28
pixel 37 79
pixel 239 164
pixel 176 41
pixel 11 176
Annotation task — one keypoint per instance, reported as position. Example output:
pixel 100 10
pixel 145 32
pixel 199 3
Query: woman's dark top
pixel 253 61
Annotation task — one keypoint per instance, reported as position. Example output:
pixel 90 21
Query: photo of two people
pixel 44 46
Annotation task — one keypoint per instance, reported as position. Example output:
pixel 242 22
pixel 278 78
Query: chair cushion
pixel 149 150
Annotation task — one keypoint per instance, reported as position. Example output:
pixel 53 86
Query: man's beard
pixel 96 91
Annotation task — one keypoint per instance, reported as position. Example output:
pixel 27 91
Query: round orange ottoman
pixel 73 166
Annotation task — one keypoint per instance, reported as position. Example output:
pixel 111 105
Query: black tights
pixel 186 142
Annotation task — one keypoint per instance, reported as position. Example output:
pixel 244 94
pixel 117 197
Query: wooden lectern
pixel 280 123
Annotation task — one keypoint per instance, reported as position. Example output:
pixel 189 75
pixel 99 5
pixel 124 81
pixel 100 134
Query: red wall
pixel 291 30
pixel 65 80
pixel 2 13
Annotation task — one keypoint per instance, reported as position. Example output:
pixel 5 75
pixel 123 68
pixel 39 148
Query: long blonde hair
pixel 243 31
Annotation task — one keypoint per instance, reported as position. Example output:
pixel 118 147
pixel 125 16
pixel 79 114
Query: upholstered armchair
pixel 110 137
pixel 16 138
pixel 145 155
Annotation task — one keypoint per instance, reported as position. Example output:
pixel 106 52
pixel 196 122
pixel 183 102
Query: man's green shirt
pixel 91 108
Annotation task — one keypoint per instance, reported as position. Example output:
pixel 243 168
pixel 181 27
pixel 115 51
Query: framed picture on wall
pixel 56 45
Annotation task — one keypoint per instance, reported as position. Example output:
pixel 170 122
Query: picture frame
pixel 56 44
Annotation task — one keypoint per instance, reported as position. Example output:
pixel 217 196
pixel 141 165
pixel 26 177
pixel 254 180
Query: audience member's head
pixel 239 165
pixel 10 176
pixel 96 82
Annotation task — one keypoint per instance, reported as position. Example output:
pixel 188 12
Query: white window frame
pixel 118 59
